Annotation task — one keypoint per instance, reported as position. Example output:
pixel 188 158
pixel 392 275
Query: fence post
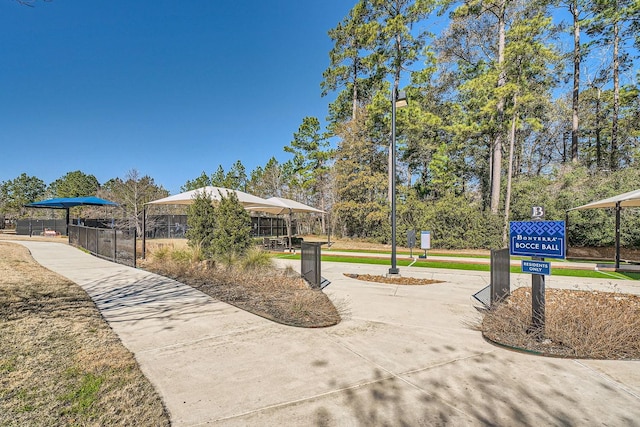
pixel 135 246
pixel 310 263
pixel 115 245
pixel 144 232
pixel 316 255
pixel 500 275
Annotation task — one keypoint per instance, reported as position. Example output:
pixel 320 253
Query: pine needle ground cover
pixel 578 324
pixel 256 287
pixel 60 362
pixel 411 281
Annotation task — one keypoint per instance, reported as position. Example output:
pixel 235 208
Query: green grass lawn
pixel 430 254
pixel 416 252
pixel 468 266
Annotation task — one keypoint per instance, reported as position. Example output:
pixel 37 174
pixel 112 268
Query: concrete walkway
pixel 401 355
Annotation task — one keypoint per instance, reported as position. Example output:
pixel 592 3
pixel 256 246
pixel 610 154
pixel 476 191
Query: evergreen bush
pixel 201 221
pixel 231 236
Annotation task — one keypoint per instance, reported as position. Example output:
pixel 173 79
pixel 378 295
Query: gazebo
pixel 273 205
pixel 70 202
pixel 630 199
pixel 286 206
pixel 249 201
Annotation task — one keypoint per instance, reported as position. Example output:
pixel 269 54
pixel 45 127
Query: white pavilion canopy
pixel 625 200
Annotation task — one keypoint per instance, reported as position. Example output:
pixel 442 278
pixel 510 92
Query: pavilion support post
pixel 67 222
pixel 328 230
pixel 144 232
pixel 289 228
pixel 566 231
pixel 618 208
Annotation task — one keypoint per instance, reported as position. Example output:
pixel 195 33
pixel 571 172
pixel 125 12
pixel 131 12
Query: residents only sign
pixel 544 239
pixel 536 267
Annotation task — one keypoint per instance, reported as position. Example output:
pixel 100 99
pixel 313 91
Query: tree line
pixel 130 192
pixel 511 104
pixel 508 93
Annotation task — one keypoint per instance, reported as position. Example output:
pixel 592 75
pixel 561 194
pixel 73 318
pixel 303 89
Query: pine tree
pixel 201 221
pixel 202 181
pixel 613 24
pixel 352 60
pixel 231 236
pixel 361 208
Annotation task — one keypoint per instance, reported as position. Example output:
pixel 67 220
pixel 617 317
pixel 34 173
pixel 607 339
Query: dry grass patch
pixel 579 324
pixel 251 284
pixel 60 363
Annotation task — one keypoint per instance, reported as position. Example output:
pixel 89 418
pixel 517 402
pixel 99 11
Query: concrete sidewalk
pixel 401 356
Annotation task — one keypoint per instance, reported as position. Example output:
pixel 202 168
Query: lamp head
pixel 401 99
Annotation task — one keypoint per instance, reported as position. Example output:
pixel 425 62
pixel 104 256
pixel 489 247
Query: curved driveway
pixel 401 355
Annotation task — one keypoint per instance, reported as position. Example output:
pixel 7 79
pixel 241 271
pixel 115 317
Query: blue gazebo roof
pixel 69 202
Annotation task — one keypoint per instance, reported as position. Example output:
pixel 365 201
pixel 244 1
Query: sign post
pixel 538 239
pixel 411 240
pixel 537 303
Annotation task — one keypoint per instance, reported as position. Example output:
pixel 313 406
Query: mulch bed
pixel 412 281
pixel 579 324
pixel 274 296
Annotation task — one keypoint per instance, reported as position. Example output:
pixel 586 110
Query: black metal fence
pixel 41 227
pixel 166 226
pixel 268 226
pixel 310 256
pixel 175 226
pixel 112 244
pixel 500 286
pixel 500 275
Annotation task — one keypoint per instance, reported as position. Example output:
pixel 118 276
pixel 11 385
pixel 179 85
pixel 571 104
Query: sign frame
pixel 545 239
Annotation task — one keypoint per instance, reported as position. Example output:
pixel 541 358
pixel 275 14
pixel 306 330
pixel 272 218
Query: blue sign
pixel 536 267
pixel 544 239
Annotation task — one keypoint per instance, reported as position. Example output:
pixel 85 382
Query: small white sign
pixel 425 239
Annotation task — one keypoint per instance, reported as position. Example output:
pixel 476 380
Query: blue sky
pixel 170 88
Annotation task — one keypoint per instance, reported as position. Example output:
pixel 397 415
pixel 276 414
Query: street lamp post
pixel 397 100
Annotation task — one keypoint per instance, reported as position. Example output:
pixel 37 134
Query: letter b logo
pixel 537 212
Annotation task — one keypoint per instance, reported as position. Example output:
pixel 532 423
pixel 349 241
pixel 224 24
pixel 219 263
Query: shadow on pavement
pixel 122 298
pixel 489 389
